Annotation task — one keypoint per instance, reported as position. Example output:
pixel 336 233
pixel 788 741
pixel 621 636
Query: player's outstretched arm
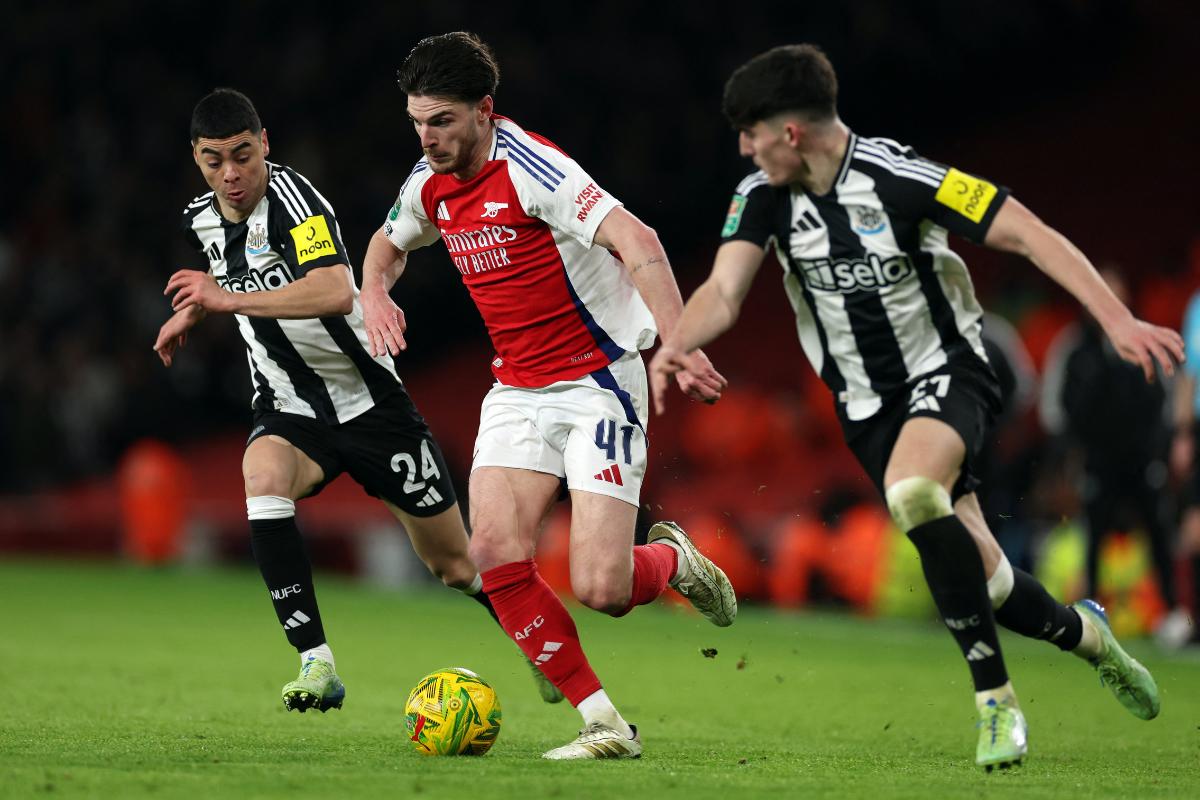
pixel 646 260
pixel 709 312
pixel 1018 230
pixel 384 320
pixel 173 333
pixel 321 292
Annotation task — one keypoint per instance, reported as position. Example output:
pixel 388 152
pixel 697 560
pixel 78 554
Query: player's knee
pixel 457 574
pixel 917 500
pixel 600 594
pixel 268 479
pixel 491 547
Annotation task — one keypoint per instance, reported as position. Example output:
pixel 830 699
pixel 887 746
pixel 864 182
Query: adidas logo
pixel 431 498
pixel 927 403
pixel 610 475
pixel 979 651
pixel 297 619
pixel 442 213
pixel 548 651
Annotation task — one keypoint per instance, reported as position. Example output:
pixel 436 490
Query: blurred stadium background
pixel 1088 110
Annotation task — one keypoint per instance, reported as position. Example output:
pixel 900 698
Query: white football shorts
pixel 591 430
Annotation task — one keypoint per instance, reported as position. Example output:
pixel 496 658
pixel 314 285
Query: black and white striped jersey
pixel 319 368
pixel 880 298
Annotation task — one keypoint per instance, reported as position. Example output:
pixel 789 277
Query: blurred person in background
pixel 1121 424
pixel 1179 628
pixel 887 315
pixel 322 405
pixel 1004 463
pixel 533 237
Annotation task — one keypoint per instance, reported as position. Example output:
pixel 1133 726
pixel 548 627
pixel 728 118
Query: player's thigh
pixel 272 465
pixel 927 448
pixel 507 509
pixel 441 542
pixel 948 418
pixel 602 530
pixel 601 427
pixel 968 511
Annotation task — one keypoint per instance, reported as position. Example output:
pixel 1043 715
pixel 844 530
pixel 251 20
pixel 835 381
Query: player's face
pixel 769 145
pixel 236 169
pixel 452 132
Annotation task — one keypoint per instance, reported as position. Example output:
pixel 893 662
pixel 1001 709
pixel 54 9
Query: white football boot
pixel 598 741
pixel 703 583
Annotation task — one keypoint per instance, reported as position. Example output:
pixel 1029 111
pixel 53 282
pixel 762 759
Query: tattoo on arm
pixel 654 260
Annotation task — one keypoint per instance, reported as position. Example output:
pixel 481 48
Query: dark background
pixel 1088 110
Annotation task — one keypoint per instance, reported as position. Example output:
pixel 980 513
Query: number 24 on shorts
pixel 606 439
pixel 406 465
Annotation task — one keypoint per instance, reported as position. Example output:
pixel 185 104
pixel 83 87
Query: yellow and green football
pixel 452 712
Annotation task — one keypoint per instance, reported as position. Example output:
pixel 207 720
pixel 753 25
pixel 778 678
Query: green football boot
pixel 317 686
pixel 1002 735
pixel 1132 683
pixel 549 692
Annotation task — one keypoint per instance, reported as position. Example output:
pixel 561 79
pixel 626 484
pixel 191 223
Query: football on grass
pixel 452 712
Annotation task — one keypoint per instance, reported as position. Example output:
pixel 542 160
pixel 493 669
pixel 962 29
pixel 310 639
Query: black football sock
pixel 1031 611
pixel 284 565
pixel 954 572
pixel 485 601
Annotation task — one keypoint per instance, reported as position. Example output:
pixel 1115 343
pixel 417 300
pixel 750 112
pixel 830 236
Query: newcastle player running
pixel 887 315
pixel 322 404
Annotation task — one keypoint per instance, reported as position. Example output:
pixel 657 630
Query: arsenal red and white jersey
pixel 557 306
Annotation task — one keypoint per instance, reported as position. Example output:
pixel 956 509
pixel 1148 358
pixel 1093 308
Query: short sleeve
pixel 962 203
pixel 407 225
pixel 752 212
pixel 554 188
pixel 1191 337
pixel 303 227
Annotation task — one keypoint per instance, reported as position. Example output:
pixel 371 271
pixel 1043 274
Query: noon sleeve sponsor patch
pixel 966 194
pixel 312 239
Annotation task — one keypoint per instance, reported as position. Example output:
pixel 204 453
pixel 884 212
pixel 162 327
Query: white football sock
pixel 321 651
pixel 596 707
pixel 1090 642
pixel 680 560
pixel 999 694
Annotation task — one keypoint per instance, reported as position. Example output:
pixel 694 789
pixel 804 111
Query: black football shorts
pixel 388 450
pixel 964 394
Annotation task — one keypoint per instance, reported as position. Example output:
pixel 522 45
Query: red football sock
pixel 531 613
pixel 653 567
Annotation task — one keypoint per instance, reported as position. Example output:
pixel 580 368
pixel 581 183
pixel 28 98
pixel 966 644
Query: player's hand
pixel 195 288
pixel 385 323
pixel 700 380
pixel 1144 344
pixel 693 372
pixel 173 334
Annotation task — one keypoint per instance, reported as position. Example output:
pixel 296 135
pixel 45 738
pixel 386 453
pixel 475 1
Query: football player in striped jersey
pixel 887 315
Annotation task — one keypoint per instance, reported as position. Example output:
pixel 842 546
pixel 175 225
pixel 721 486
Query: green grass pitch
pixel 122 683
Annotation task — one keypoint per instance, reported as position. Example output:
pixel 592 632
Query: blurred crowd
pixel 97 169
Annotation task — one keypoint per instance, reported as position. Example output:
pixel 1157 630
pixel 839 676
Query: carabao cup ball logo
pixel 452 712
